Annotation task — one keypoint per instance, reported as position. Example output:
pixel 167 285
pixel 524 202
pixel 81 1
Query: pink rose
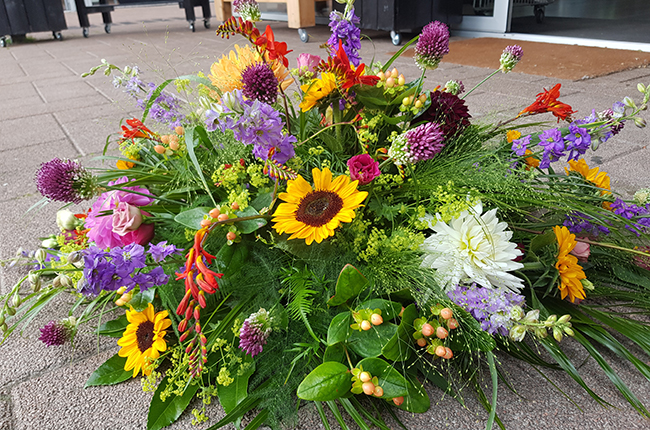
pixel 363 168
pixel 141 236
pixel 126 218
pixel 581 250
pixel 307 63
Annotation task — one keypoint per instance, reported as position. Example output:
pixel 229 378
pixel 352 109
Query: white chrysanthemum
pixel 473 247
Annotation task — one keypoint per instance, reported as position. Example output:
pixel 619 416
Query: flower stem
pixel 480 83
pixel 495 386
pixel 322 130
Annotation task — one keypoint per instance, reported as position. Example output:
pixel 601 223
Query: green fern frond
pixel 300 283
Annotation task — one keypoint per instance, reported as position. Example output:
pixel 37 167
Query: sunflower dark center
pixel 318 208
pixel 144 334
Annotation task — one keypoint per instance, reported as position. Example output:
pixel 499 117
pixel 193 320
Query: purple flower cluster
pixel 254 123
pixel 255 332
pixel 579 223
pixel 260 83
pixel 510 57
pixel 344 28
pixel 121 267
pixel 641 214
pixel 54 334
pixel 425 141
pixel 432 45
pixel 65 181
pixel 576 142
pixel 247 9
pixel 489 306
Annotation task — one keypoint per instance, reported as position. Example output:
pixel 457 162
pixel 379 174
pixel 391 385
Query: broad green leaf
pixel 231 258
pixel 334 352
pixel 349 284
pixel 392 382
pixel 370 343
pixel 258 420
pixel 339 328
pixel 113 328
pixel 262 201
pixel 161 414
pixel 329 381
pixel 542 240
pixel 417 400
pixel 110 373
pixel 389 310
pixel 141 300
pixel 192 218
pixel 231 395
pixel 400 346
pixel 250 225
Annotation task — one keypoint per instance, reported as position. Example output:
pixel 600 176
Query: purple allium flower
pixel 363 168
pixel 65 181
pixel 491 307
pixel 247 9
pixel 448 111
pixel 432 45
pixel 260 83
pixel 519 146
pixel 455 87
pixel 577 141
pixel 510 57
pixel 254 332
pixel 161 251
pixel 425 141
pixel 344 28
pixel 54 334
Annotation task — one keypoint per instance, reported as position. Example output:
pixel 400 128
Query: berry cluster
pixel 431 334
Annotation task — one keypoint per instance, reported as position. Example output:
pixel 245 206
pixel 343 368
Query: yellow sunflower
pixel 143 340
pixel 226 73
pixel 316 90
pixel 570 271
pixel 314 213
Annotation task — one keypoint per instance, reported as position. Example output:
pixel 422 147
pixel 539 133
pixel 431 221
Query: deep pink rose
pixel 126 218
pixel 141 236
pixel 307 63
pixel 581 250
pixel 363 168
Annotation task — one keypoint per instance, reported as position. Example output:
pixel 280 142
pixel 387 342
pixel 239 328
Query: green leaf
pixel 334 352
pixel 349 284
pixel 632 275
pixel 258 420
pixel 393 383
pixel 542 240
pixel 231 258
pixel 250 225
pixel 389 310
pixel 339 328
pixel 262 201
pixel 141 300
pixel 191 141
pixel 162 414
pixel 113 328
pixel 400 346
pixel 370 343
pixel 192 218
pixel 417 400
pixel 110 373
pixel 231 395
pixel 329 381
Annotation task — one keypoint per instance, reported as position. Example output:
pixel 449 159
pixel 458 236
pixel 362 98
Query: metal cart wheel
pixel 57 35
pixel 192 26
pixel 304 36
pixel 539 14
pixel 3 42
pixel 396 38
pixel 107 28
pixel 85 31
pixel 206 23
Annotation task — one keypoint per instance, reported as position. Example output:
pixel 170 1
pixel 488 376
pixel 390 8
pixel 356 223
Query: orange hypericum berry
pixel 376 319
pixel 448 353
pixel 205 222
pixel 398 400
pixel 222 217
pixel 441 332
pixel 164 139
pixel 179 130
pixel 174 145
pixel 235 206
pixel 446 313
pixel 452 323
pixel 422 342
pixel 159 149
pixel 441 351
pixel 365 325
pixel 427 329
pixel 364 377
pixel 394 72
pixel 378 391
pixel 368 388
pixel 390 82
pixel 214 213
pixel 231 235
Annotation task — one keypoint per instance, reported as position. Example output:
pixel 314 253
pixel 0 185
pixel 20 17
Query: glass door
pixel 485 15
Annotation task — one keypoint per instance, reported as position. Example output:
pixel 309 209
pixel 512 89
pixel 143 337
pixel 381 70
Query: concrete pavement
pixel 47 110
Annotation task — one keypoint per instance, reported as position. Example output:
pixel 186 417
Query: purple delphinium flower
pixel 510 57
pixel 54 334
pixel 160 251
pixel 425 141
pixel 129 258
pixel 579 223
pixel 630 211
pixel 344 29
pixel 553 144
pixel 260 83
pixel 577 141
pixel 489 306
pixel 255 332
pixel 65 181
pixel 432 45
pixel 519 146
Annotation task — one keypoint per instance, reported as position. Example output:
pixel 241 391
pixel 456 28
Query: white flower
pixel 474 247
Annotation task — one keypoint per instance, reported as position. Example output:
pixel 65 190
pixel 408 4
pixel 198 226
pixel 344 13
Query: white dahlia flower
pixel 473 247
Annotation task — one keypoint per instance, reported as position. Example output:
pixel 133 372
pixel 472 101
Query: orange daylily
pixel 548 102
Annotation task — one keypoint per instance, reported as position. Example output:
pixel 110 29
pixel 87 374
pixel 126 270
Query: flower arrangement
pixel 345 237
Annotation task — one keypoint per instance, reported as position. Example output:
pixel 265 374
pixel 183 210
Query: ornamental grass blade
pixel 321 414
pixel 258 420
pixel 635 331
pixel 354 414
pixel 190 143
pixel 337 414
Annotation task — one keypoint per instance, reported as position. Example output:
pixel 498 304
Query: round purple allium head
pixel 448 111
pixel 510 57
pixel 260 83
pixel 254 332
pixel 54 334
pixel 65 181
pixel 425 141
pixel 249 10
pixel 432 45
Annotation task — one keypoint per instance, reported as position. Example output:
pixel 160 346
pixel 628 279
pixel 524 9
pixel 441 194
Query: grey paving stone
pixel 17 91
pixel 35 129
pixel 67 89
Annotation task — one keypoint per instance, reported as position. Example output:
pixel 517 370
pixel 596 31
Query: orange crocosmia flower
pixel 548 102
pixel 275 50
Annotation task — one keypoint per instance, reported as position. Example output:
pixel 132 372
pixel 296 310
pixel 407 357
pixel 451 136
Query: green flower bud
pixel 629 102
pixel 587 285
pixel 569 331
pixel 516 313
pixel 531 316
pixel 50 242
pixel 33 277
pixel 564 319
pixel 640 87
pixel 40 255
pixel 4 327
pixel 15 301
pixel 550 320
pixel 639 122
pixel 66 220
pixel 557 334
pixel 11 311
pixel 2 319
pixel 541 333
pixel 517 333
pixel 75 257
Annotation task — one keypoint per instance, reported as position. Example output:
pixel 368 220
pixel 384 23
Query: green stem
pixel 495 385
pixel 322 130
pixel 336 116
pixel 534 265
pixel 480 83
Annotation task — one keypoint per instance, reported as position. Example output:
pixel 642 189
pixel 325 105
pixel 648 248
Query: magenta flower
pixel 425 141
pixel 254 332
pixel 307 63
pixel 432 45
pixel 510 57
pixel 54 334
pixel 65 181
pixel 363 169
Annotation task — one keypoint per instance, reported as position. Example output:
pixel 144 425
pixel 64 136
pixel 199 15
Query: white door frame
pixel 499 22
